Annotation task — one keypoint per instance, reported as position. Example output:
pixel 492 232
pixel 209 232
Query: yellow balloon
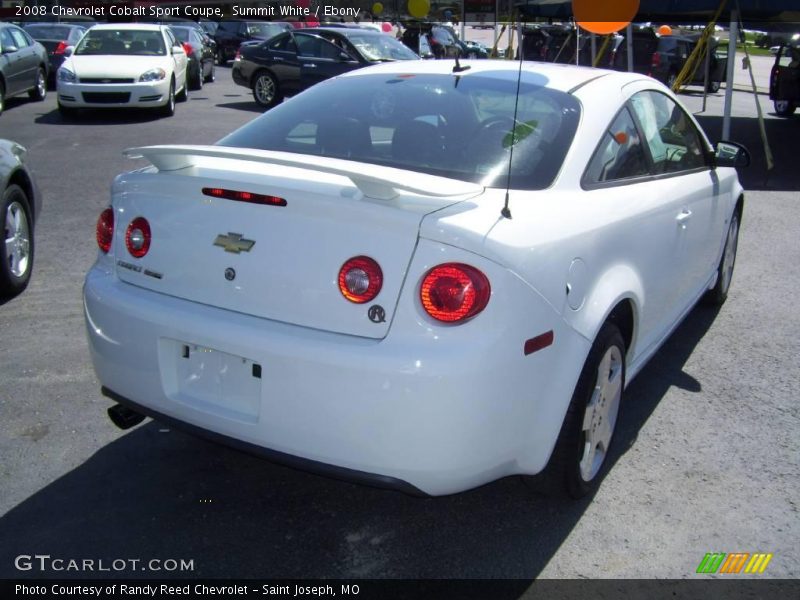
pixel 377 8
pixel 419 8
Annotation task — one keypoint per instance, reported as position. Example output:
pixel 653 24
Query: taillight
pixel 62 46
pixel 187 48
pixel 104 230
pixel 360 279
pixel 137 237
pixel 655 61
pixel 454 292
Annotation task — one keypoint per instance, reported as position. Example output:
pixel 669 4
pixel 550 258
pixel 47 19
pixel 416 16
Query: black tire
pixel 17 251
pixel 713 87
pixel 169 108
pixel 212 76
pixel 784 108
pixel 197 84
pixel 717 295
pixel 575 467
pixel 39 92
pixel 266 92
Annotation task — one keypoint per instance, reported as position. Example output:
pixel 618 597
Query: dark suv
pixel 230 35
pixel 784 80
pixel 555 43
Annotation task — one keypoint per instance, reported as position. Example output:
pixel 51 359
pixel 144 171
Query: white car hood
pixel 115 66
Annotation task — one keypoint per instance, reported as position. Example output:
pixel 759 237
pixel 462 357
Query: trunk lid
pixel 335 210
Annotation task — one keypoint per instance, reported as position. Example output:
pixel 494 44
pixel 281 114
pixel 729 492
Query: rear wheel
pixel 581 452
pixel 719 293
pixel 2 97
pixel 39 92
pixel 197 78
pixel 265 89
pixel 17 263
pixel 784 108
pixel 212 76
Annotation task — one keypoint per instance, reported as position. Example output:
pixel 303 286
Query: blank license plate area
pixel 211 380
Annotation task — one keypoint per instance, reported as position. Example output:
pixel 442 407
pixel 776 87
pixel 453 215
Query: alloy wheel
pixel 601 413
pixel 17 239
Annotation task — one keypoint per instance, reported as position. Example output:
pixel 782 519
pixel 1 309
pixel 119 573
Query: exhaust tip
pixel 123 417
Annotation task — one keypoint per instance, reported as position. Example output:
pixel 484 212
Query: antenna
pixel 506 212
pixel 458 68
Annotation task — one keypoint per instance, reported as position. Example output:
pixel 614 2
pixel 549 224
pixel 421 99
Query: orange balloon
pixel 604 16
pixel 665 30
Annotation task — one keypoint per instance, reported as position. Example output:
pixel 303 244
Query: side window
pixel 620 154
pixel 5 39
pixel 20 39
pixel 672 138
pixel 171 39
pixel 284 43
pixel 315 47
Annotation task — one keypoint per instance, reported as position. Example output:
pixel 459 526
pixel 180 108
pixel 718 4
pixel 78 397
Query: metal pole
pixel 734 33
pixel 496 17
pixel 629 45
pixel 707 73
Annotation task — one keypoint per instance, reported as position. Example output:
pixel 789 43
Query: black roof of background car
pixel 343 31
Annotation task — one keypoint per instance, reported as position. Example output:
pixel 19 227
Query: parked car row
pixel 659 56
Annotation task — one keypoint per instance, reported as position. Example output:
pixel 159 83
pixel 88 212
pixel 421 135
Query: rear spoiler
pixel 381 183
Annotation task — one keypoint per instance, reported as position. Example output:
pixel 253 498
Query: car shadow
pixel 160 494
pixel 101 117
pixel 782 134
pixel 249 106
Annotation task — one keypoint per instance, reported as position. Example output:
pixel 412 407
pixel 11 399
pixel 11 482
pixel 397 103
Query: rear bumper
pixel 427 409
pixel 312 466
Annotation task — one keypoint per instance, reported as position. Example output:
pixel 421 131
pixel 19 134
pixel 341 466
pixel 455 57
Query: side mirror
pixel 68 51
pixel 731 154
pixel 10 49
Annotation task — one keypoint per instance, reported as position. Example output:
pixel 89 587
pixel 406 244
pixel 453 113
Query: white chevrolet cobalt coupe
pixel 412 277
pixel 123 65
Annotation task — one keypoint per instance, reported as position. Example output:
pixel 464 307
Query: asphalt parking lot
pixel 706 456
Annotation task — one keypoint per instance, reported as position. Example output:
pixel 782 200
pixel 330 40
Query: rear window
pixel 48 32
pixel 457 127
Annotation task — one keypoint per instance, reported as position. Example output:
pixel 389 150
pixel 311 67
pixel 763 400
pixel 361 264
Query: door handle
pixel 277 59
pixel 683 217
pixel 311 66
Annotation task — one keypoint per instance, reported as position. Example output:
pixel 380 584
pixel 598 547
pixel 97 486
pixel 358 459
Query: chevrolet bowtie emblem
pixel 234 242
